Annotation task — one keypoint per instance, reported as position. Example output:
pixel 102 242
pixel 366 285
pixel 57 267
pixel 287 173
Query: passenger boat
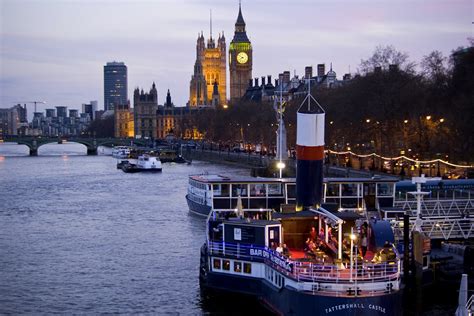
pixel 121 152
pixel 299 256
pixel 144 163
pixel 220 192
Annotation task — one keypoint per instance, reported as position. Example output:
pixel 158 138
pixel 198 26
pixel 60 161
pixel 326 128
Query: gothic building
pixel 210 67
pixel 240 60
pixel 145 106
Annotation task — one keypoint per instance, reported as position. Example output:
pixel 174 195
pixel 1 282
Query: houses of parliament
pixel 208 84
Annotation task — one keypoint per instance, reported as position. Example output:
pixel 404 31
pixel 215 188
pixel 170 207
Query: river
pixel 78 236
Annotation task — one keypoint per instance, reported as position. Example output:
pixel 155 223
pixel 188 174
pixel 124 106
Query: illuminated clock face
pixel 242 58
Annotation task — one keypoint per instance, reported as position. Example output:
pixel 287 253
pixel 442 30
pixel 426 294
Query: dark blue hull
pixel 196 208
pixel 286 301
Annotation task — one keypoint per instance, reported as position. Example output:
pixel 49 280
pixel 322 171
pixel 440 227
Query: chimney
pixel 280 78
pixel 308 72
pixel 256 82
pixel 321 70
pixel 276 82
pixel 250 83
pixel 286 77
pixel 269 79
pixel 263 80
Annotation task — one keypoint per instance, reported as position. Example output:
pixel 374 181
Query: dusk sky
pixel 55 50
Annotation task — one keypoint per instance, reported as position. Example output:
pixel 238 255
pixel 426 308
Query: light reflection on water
pixel 79 236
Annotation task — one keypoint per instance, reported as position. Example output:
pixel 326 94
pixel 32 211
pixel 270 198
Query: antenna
pixel 210 21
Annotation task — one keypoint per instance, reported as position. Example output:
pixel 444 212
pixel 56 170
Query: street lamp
pixel 428 117
pixel 353 238
pixel 281 165
pixel 441 120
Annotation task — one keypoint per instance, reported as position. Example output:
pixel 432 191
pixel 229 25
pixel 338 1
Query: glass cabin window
pixel 221 189
pixel 274 189
pixel 257 189
pixel 349 189
pixel 216 263
pixel 332 189
pixel 384 189
pixel 237 266
pixel 226 265
pixel 239 189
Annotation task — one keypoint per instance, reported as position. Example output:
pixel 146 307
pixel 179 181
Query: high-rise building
pixel 61 111
pixel 240 60
pixel 90 109
pixel 210 67
pixel 115 85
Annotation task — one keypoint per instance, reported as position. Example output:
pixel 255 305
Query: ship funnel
pixel 309 153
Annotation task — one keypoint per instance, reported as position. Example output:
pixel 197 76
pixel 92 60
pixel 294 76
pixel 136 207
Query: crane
pixel 35 102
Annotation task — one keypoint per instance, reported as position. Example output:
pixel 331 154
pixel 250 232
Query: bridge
pixel 92 143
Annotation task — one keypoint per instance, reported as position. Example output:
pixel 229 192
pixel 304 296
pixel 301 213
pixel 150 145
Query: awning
pixel 309 213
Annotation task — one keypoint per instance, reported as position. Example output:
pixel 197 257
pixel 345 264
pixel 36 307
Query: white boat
pixel 121 152
pixel 145 163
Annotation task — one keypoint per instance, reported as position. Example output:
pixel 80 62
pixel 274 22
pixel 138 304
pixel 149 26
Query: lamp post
pixel 353 237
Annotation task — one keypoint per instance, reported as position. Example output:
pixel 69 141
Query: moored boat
pixel 301 257
pixel 121 152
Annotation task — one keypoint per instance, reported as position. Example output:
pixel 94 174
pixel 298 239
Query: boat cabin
pixel 221 193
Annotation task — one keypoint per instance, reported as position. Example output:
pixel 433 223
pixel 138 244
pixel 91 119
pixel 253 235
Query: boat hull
pixel 134 169
pixel 196 208
pixel 287 301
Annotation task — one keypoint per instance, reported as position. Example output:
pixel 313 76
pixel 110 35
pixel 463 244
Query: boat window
pixel 146 159
pixel 237 266
pixel 247 268
pixel 332 189
pixel 239 189
pixel 384 189
pixel 291 191
pixel 216 264
pixel 349 189
pixel 226 265
pixel 221 189
pixel 257 189
pixel 274 189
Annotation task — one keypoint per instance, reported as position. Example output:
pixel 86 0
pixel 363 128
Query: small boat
pixel 144 163
pixel 121 152
pixel 167 155
pixel 122 163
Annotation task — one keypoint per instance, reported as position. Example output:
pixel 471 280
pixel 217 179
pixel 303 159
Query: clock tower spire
pixel 240 59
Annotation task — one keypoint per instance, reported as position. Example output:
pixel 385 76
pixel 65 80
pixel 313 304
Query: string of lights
pixel 399 158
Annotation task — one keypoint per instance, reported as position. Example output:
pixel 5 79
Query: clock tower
pixel 240 60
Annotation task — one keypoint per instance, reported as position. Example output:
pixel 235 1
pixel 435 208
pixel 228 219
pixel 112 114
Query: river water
pixel 78 236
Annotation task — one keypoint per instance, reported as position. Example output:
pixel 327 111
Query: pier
pixel 252 160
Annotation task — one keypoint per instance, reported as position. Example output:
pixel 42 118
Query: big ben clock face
pixel 242 58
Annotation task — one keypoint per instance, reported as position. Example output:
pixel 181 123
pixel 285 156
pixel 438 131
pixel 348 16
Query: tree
pixel 384 57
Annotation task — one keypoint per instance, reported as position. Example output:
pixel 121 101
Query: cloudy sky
pixel 54 50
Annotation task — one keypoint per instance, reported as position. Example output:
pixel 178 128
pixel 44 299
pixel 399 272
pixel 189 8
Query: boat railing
pixel 438 207
pixel 307 271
